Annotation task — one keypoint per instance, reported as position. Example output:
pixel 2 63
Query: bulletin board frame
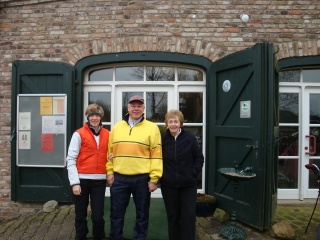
pixel 41 130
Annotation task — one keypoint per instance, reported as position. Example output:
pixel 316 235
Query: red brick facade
pixel 67 31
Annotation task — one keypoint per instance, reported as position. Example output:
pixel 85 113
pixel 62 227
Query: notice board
pixel 41 130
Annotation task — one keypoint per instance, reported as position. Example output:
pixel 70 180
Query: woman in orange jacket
pixel 86 164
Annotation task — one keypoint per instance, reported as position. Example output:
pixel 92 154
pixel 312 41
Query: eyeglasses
pixel 173 121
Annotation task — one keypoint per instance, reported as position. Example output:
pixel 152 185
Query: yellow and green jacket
pixel 135 150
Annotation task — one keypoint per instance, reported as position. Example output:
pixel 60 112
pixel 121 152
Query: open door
pixel 243 123
pixel 39 184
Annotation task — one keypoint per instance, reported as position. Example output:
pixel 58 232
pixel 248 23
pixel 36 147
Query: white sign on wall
pixel 245 109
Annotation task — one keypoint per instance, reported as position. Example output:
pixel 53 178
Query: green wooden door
pixel 242 122
pixel 40 183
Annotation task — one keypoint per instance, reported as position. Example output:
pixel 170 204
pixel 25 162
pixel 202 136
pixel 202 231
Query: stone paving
pixel 296 214
pixel 208 229
pixel 41 226
pixel 59 225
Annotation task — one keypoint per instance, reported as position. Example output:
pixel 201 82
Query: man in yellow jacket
pixel 135 168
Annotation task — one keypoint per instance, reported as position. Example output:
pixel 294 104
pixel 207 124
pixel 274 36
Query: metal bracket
pixel 13 135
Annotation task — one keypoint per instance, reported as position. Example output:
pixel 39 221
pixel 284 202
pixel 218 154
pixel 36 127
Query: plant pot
pixel 205 205
pixel 204 209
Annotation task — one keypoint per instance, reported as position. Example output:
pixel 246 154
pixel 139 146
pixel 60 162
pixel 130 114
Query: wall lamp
pixel 244 17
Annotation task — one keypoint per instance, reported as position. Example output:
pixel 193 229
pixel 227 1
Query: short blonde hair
pixel 172 114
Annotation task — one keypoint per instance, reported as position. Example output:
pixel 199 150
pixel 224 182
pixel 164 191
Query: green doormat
pixel 158 229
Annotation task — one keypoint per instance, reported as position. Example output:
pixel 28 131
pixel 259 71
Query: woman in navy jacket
pixel 182 163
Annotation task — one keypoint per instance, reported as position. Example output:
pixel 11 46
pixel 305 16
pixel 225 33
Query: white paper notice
pixel 24 140
pixel 24 120
pixel 53 124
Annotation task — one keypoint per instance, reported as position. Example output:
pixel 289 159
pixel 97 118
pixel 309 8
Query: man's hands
pixel 152 186
pixel 110 179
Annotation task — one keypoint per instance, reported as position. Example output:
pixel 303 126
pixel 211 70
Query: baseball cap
pixel 136 98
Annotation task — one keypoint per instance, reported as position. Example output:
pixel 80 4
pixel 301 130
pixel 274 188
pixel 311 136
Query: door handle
pixel 314 144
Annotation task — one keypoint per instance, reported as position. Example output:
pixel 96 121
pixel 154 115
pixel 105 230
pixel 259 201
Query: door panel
pixel 311 142
pixel 40 183
pixel 289 159
pixel 298 142
pixel 242 130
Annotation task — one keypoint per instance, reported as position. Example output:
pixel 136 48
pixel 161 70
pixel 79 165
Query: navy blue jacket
pixel 182 159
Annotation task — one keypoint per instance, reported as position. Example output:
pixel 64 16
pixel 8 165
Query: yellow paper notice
pixel 45 105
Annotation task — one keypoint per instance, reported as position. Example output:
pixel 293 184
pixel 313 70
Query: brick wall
pixel 70 30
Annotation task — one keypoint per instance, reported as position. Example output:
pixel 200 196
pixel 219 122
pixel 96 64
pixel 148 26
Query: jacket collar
pixel 181 132
pixel 126 118
pixel 93 130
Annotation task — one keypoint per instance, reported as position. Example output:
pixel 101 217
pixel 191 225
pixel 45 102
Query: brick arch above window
pixel 298 49
pixel 177 45
pixel 152 44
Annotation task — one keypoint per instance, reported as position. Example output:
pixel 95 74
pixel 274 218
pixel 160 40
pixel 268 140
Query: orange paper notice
pixel 45 105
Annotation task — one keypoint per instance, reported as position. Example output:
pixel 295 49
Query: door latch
pixel 256 146
pixel 253 146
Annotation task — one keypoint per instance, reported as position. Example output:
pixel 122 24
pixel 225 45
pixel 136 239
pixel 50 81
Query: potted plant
pixel 205 205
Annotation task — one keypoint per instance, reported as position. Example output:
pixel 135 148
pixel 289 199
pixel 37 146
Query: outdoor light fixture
pixel 244 17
